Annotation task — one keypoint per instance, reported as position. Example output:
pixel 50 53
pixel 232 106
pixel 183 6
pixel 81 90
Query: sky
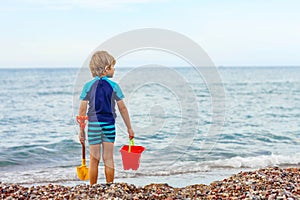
pixel 62 33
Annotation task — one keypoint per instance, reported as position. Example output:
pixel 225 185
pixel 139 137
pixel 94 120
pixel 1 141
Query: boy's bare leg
pixel 94 162
pixel 108 158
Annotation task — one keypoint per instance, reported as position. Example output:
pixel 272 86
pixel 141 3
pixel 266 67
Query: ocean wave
pixel 237 162
pixel 256 161
pixel 41 152
pixel 67 174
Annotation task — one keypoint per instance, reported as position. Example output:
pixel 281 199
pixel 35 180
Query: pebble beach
pixel 267 183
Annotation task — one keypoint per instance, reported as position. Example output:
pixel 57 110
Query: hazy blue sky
pixel 62 33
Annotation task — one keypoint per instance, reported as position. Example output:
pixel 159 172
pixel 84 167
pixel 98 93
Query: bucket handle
pixel 131 143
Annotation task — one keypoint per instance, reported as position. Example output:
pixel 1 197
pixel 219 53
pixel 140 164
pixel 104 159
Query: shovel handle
pixel 131 143
pixel 81 120
pixel 83 150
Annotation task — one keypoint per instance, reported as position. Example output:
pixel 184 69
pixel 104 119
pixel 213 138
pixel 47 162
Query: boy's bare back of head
pixel 101 61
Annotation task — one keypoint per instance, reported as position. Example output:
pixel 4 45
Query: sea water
pixel 261 125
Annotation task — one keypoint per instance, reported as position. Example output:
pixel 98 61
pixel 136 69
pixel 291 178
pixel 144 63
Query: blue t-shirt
pixel 101 93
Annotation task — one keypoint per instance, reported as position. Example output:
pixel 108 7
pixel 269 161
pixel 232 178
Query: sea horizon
pixel 158 65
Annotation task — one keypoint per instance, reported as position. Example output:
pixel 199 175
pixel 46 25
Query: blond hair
pixel 101 60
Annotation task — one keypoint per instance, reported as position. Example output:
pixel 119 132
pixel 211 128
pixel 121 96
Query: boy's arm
pixel 82 112
pixel 124 113
pixel 83 108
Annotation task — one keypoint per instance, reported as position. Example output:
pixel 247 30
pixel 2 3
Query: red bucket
pixel 131 160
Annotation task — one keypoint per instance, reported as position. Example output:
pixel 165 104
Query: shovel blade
pixel 83 173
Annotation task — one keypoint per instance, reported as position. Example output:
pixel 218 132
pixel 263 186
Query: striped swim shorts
pixel 99 132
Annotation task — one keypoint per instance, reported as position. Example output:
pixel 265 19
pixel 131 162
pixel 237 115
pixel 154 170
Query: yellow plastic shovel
pixel 83 171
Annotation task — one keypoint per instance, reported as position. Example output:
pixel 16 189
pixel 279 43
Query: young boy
pixel 100 94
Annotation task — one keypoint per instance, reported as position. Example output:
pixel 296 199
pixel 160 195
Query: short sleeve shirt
pixel 101 93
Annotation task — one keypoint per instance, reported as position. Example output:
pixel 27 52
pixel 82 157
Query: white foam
pixel 236 163
pixel 256 161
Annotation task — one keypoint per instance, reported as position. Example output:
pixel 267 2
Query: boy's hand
pixel 130 134
pixel 81 136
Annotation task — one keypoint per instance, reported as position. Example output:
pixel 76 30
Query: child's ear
pixel 107 68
